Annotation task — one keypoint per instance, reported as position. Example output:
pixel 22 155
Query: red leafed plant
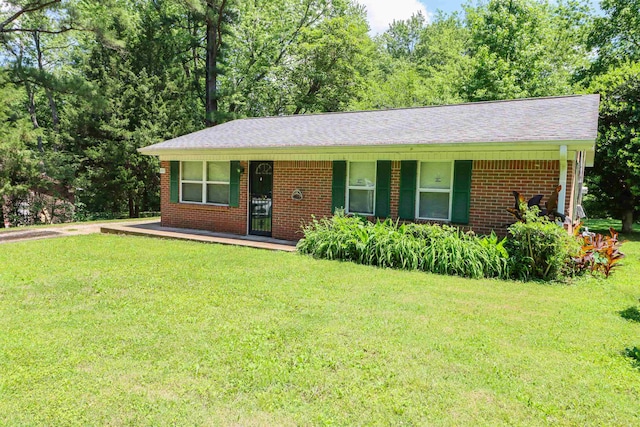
pixel 598 253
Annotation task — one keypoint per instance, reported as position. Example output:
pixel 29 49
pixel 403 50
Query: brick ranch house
pixel 453 164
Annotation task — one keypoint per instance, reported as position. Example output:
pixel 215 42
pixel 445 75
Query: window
pixel 218 182
pixel 435 180
pixel 205 182
pixel 361 187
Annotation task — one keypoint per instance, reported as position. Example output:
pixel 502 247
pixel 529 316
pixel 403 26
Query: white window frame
pixel 360 187
pixel 420 190
pixel 203 183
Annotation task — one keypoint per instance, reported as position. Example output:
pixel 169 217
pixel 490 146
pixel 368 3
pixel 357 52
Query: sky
pixel 382 12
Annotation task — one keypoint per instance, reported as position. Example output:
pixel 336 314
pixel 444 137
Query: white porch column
pixel 562 196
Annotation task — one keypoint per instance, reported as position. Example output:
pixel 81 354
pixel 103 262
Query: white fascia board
pixel 590 158
pixel 542 150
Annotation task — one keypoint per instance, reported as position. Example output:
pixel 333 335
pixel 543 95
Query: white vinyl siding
pixel 435 183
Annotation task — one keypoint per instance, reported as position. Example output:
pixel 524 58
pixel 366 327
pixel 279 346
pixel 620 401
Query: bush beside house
pixel 432 248
pixel 536 248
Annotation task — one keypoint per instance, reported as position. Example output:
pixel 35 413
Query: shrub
pixel 598 253
pixel 539 248
pixel 433 248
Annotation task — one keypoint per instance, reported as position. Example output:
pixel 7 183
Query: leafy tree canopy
pixel 615 178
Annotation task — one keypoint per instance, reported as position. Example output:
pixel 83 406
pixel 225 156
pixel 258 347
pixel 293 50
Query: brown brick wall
pixel 491 185
pixel 492 182
pixel 395 188
pixel 313 179
pixel 204 217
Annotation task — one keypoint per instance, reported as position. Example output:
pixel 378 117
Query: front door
pixel 260 192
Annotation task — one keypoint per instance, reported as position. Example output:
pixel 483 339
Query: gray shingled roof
pixel 567 118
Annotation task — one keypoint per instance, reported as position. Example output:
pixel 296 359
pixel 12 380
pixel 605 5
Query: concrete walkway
pixel 19 234
pixel 154 229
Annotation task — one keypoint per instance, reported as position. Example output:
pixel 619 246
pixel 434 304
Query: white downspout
pixel 562 196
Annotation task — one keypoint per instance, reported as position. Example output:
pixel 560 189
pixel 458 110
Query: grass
pixel 602 226
pixel 117 330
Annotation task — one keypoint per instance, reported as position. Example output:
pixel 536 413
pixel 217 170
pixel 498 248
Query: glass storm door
pixel 260 191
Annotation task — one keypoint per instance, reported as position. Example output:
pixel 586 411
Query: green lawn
pixel 602 226
pixel 112 330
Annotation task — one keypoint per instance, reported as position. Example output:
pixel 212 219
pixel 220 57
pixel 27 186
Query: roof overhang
pixel 524 150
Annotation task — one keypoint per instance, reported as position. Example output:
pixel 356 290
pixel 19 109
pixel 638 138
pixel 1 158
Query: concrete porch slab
pixel 154 229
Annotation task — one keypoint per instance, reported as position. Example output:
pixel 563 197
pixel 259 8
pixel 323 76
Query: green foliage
pixel 128 112
pixel 539 248
pixel 524 48
pixel 500 49
pixel 598 253
pixel 135 73
pixel 402 38
pixel 615 75
pixel 616 34
pixel 331 60
pixel 432 248
pixel 19 168
pixel 615 177
pixel 417 64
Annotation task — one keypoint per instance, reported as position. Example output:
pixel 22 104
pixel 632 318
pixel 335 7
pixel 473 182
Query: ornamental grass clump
pixel 432 248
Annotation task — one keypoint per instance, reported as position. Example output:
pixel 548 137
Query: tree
pixel 402 37
pixel 616 34
pixel 129 109
pixel 524 48
pixel 443 59
pixel 265 48
pixel 18 167
pixel 417 64
pixel 394 83
pixel 14 10
pixel 215 16
pixel 615 177
pixel 615 74
pixel 328 64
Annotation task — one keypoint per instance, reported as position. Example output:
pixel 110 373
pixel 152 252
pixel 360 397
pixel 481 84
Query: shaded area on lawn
pixel 631 313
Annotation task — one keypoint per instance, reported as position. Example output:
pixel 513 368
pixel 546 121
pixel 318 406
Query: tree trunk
pixel 32 112
pixel 211 82
pixel 131 210
pixel 627 221
pixel 52 104
pixel 6 210
pixel 213 18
